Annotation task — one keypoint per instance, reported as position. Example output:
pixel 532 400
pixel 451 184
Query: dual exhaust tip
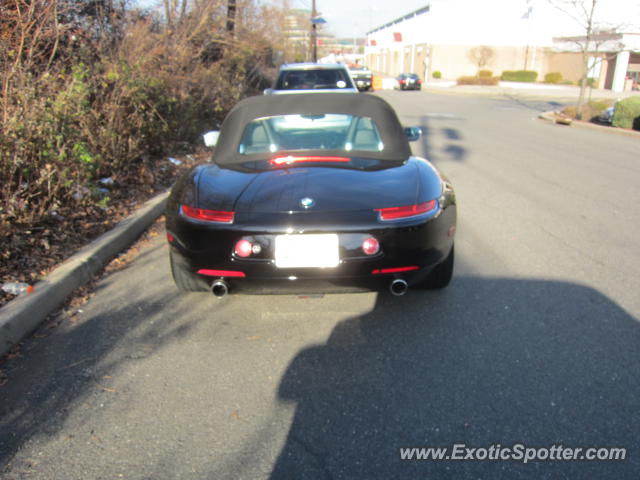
pixel 397 287
pixel 219 288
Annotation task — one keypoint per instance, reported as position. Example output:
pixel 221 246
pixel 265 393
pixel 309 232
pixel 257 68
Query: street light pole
pixel 314 32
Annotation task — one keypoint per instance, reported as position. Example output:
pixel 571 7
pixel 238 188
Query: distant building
pixel 460 37
pixel 343 46
pixel 614 59
pixel 297 31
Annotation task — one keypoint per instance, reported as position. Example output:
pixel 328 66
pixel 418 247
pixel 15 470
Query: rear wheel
pixel 441 274
pixel 184 280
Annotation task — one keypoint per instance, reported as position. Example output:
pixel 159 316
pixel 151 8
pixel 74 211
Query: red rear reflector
pixel 370 246
pixel 379 271
pixel 207 215
pixel 243 248
pixel 221 273
pixel 309 158
pixel 393 213
pixel 170 238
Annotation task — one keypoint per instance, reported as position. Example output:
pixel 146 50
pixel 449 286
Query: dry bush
pixel 106 94
pixel 478 81
pixel 590 111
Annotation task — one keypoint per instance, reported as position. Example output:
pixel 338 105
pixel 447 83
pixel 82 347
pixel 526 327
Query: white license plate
pixel 307 251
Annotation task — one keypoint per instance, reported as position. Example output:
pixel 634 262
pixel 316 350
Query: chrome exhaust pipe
pixel 398 287
pixel 219 288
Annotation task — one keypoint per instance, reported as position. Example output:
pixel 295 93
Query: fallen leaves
pixel 30 251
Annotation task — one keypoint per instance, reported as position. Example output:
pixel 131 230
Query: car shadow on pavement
pixel 453 147
pixel 488 361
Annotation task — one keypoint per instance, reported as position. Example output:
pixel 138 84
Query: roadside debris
pixel 562 119
pixel 107 181
pixel 17 288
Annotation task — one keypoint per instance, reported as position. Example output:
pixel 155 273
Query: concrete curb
pixel 22 315
pixel 550 117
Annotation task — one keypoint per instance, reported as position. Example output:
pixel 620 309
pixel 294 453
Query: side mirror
pixel 211 138
pixel 267 91
pixel 412 133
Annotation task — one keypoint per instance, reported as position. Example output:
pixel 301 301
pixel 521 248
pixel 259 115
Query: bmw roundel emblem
pixel 307 202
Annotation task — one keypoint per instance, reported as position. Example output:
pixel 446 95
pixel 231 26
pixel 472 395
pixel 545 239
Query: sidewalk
pixel 569 92
pixel 566 92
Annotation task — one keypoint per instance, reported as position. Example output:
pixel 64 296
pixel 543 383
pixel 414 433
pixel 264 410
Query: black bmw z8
pixel 312 193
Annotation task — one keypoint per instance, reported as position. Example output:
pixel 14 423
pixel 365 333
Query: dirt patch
pixel 28 253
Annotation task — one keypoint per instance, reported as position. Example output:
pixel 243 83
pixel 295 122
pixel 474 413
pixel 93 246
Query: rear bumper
pixel 408 252
pixel 270 280
pixel 362 83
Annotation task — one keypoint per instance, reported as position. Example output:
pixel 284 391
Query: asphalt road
pixel 536 341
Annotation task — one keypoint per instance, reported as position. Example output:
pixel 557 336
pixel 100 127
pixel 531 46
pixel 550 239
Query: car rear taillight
pixel 370 246
pixel 243 248
pixel 207 215
pixel 308 158
pixel 394 213
pixel 401 82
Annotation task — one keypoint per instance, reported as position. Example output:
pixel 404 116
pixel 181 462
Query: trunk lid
pixel 329 189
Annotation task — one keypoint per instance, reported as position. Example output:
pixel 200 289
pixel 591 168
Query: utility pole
pixel 231 16
pixel 314 32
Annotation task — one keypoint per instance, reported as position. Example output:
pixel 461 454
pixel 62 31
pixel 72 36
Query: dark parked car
pixel 312 77
pixel 312 193
pixel 409 81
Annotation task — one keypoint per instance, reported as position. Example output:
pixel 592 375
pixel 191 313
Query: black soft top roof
pixel 396 146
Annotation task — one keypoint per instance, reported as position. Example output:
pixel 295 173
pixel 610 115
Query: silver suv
pixel 312 77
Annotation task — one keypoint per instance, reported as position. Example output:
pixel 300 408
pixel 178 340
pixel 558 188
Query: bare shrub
pixel 91 91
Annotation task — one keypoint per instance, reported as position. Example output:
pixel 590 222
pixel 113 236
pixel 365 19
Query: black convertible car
pixel 312 193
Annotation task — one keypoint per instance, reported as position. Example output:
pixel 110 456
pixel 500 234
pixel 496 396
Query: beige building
pixel 613 59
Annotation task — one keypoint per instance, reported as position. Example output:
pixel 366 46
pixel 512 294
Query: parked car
pixel 408 81
pixel 362 77
pixel 312 193
pixel 312 77
pixel 607 115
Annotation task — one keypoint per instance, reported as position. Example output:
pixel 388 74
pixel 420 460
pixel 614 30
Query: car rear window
pixel 313 79
pixel 310 132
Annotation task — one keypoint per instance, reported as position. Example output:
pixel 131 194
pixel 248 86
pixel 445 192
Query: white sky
pixel 357 16
pixel 348 18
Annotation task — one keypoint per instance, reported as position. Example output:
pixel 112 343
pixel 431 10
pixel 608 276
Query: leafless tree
pixel 596 33
pixel 481 56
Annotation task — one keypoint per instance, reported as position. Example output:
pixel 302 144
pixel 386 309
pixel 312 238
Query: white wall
pixel 496 23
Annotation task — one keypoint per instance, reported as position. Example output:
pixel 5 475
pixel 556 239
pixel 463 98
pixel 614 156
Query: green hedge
pixel 627 113
pixel 485 73
pixel 519 76
pixel 553 77
pixel 437 74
